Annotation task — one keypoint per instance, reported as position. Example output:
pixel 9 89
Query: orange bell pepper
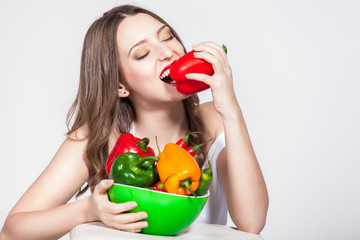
pixel 178 170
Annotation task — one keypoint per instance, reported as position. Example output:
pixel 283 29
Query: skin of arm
pixel 238 168
pixel 42 212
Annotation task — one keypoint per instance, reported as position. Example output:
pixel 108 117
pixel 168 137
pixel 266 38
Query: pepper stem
pixel 144 159
pixel 143 144
pixel 157 145
pixel 195 148
pixel 162 185
pixel 186 183
pixel 186 139
pixel 225 48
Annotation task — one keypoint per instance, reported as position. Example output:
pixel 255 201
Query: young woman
pixel 120 90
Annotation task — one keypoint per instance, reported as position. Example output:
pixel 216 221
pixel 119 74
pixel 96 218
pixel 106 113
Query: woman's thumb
pixel 103 186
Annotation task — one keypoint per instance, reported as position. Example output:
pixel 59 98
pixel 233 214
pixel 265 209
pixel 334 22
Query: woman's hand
pixel 221 82
pixel 112 214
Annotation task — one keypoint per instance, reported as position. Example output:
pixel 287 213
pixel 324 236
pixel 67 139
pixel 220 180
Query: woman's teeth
pixel 165 77
pixel 165 74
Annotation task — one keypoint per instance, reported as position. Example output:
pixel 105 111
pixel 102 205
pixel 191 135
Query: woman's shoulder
pixel 79 134
pixel 210 119
pixel 77 140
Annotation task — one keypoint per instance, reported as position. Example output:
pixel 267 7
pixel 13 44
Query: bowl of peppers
pixel 171 188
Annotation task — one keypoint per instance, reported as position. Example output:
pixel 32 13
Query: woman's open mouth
pixel 164 76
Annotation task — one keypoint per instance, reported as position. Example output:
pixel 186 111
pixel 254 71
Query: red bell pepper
pixel 128 143
pixel 190 64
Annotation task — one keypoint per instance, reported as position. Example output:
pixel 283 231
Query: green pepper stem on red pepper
pixel 128 143
pixel 190 64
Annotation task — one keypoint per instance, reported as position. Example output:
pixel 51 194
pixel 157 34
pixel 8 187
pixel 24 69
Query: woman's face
pixel 146 46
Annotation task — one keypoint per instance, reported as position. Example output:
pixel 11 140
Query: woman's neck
pixel 167 122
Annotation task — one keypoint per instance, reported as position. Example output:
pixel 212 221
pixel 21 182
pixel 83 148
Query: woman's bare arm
pixel 42 212
pixel 238 168
pixel 241 177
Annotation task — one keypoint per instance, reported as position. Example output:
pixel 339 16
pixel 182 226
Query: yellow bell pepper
pixel 178 170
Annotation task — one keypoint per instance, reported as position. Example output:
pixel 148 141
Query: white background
pixel 296 67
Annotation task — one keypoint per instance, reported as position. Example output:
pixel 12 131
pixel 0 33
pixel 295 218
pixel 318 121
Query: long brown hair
pixel 97 104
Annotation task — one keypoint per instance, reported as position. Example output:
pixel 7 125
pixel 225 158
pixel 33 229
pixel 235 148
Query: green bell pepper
pixel 131 169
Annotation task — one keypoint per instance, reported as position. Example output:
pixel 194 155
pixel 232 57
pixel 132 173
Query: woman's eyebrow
pixel 137 44
pixel 161 28
pixel 143 41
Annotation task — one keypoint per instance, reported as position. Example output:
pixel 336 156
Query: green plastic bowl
pixel 168 214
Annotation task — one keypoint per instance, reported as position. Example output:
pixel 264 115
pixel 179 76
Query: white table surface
pixel 97 230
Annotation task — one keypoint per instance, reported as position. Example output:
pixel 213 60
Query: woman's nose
pixel 165 52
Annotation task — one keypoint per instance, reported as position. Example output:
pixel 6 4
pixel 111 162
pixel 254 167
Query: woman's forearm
pixel 46 224
pixel 247 193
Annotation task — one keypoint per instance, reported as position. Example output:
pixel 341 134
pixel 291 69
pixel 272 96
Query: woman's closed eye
pixel 166 35
pixel 169 38
pixel 141 53
pixel 139 57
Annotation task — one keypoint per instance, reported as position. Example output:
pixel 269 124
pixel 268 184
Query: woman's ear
pixel 122 91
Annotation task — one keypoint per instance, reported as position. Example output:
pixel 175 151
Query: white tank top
pixel 215 210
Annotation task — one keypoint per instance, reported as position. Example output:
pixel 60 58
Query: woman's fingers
pixel 115 214
pixel 213 54
pixel 221 82
pixel 128 226
pixel 116 208
pixel 199 77
pixel 127 221
pixel 127 218
pixel 214 60
pixel 119 219
pixel 211 48
pixel 131 227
